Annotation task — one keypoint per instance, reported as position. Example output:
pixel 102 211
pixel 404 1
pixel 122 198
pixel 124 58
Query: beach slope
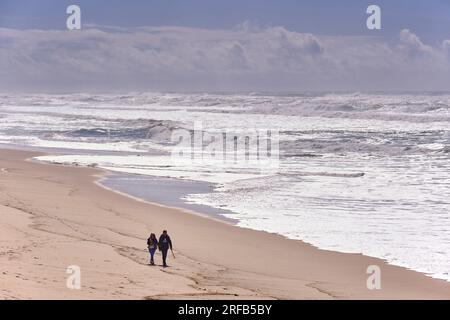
pixel 53 217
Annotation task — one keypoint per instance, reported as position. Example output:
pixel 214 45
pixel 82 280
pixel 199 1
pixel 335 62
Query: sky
pixel 204 45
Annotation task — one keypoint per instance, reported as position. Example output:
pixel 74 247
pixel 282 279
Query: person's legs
pixel 152 254
pixel 164 256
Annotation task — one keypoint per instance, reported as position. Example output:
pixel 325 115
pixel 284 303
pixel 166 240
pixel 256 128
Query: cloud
pixel 245 58
pixel 412 45
pixel 446 47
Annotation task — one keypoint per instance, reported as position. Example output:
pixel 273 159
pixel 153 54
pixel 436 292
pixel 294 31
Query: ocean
pixel 354 172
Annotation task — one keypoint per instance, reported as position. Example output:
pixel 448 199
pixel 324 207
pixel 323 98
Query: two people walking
pixel 163 244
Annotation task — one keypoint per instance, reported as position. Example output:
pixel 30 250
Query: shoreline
pixel 209 213
pixel 220 219
pixel 203 210
pixel 215 259
pixel 156 204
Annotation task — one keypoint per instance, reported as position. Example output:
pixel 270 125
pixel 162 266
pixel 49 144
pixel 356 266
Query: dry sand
pixel 54 216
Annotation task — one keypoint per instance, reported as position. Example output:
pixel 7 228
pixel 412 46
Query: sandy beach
pixel 52 217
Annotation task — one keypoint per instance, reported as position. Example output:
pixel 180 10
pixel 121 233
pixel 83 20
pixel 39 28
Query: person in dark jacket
pixel 152 244
pixel 164 245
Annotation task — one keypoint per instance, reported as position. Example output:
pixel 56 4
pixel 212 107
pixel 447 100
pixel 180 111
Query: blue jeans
pixel 152 253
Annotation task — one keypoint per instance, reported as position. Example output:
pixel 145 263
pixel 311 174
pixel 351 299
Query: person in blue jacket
pixel 165 243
